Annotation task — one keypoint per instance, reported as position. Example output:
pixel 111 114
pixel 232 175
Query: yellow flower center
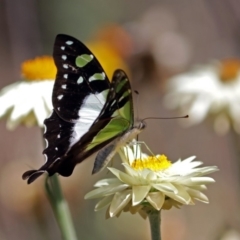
pixel 39 68
pixel 229 70
pixel 155 163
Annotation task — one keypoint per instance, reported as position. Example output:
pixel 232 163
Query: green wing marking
pixel 83 60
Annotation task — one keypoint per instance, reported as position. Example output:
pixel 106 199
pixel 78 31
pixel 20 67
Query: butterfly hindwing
pixel 57 135
pixel 89 111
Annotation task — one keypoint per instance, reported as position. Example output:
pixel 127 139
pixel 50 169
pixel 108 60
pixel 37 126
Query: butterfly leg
pixel 104 156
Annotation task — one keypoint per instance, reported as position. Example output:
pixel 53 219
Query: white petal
pixel 103 203
pixel 7 100
pixel 120 200
pixel 207 170
pixel 189 159
pixel 156 199
pixel 105 191
pixel 151 176
pixel 198 110
pixel 129 154
pixel 145 173
pixel 122 155
pixel 185 167
pixel 114 171
pixel 47 94
pixel 40 111
pixel 124 177
pixel 130 170
pixel 139 193
pixel 24 97
pixel 191 165
pixel 12 87
pixel 199 181
pixel 21 109
pixel 106 182
pixel 197 187
pixel 137 151
pixel 182 196
pixel 198 195
pixel 165 187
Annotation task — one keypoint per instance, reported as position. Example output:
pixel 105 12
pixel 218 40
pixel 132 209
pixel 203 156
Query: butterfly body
pixel 90 112
pixel 104 156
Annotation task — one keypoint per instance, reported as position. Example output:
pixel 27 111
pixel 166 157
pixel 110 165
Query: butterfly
pixel 90 112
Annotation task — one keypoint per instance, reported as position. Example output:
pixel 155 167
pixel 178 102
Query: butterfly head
pixel 141 125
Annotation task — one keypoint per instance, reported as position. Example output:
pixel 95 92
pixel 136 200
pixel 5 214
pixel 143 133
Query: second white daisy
pixel 209 91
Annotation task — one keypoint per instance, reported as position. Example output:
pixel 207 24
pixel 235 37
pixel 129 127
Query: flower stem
pixel 60 208
pixel 235 143
pixel 155 221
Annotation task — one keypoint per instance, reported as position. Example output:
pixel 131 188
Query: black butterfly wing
pixel 79 74
pixel 81 98
pixel 57 135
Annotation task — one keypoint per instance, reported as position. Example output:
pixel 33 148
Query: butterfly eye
pixel 142 125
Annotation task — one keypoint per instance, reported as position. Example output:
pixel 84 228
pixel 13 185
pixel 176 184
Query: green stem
pixel 60 208
pixel 155 221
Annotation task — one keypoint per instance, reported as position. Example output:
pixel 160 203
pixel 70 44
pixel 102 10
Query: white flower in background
pixel 209 91
pixel 29 101
pixel 230 234
pixel 151 182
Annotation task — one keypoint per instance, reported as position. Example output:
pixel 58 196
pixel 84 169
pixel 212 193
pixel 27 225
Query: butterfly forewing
pixel 79 75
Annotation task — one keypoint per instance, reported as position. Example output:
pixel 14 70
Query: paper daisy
pixel 209 91
pixel 151 182
pixel 29 101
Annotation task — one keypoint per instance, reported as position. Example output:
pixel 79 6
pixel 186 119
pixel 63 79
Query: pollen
pixel 229 70
pixel 154 163
pixel 39 68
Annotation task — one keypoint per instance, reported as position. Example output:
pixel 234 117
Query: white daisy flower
pixel 29 101
pixel 151 182
pixel 212 90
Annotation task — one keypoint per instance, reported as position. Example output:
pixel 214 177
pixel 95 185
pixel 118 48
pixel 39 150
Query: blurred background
pixel 154 40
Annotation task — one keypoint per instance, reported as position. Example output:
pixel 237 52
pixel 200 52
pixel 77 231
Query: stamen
pixel 39 68
pixel 155 163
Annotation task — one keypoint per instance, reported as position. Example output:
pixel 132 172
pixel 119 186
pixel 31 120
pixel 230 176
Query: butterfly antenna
pixel 149 118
